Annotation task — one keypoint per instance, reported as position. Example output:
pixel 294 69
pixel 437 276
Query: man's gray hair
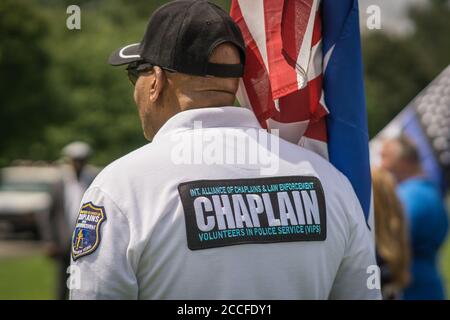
pixel 408 149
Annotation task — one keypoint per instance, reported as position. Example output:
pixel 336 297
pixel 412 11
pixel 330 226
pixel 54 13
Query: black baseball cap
pixel 181 36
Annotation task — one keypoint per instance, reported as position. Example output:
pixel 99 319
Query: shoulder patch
pixel 86 236
pixel 262 210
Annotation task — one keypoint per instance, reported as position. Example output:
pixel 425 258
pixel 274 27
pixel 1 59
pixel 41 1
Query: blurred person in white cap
pixel 76 176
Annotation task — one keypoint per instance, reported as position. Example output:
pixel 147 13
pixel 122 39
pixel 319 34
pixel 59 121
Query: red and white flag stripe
pixel 283 76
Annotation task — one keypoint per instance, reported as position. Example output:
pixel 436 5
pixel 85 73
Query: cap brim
pixel 125 55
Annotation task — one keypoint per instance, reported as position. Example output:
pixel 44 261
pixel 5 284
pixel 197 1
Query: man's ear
pixel 157 84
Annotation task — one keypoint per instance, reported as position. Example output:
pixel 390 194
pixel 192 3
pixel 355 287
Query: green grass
pixel 445 265
pixel 445 254
pixel 23 278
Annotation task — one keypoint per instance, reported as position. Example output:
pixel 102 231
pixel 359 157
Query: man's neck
pixel 416 173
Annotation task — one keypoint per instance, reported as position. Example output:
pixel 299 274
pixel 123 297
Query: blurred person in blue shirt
pixel 426 214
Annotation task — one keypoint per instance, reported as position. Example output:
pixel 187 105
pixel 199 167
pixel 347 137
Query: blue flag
pixel 344 96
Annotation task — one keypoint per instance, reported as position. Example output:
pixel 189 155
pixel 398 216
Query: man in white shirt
pixel 76 176
pixel 214 207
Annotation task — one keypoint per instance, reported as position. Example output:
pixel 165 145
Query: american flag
pixel 290 46
pixel 426 121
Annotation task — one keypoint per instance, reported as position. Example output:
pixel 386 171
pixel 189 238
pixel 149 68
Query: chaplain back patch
pixel 239 211
pixel 86 236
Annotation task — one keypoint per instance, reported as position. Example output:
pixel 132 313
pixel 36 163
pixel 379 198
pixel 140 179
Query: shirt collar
pixel 210 117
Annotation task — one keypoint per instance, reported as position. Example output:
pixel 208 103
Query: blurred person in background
pixel 76 176
pixel 391 239
pixel 426 214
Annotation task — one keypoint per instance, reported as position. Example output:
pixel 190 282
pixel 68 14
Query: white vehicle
pixel 25 200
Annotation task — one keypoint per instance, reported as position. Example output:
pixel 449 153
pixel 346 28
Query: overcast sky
pixel 393 14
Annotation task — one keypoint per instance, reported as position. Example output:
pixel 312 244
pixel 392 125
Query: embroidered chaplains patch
pixel 86 236
pixel 239 211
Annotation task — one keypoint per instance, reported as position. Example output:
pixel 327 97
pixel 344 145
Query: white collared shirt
pixel 267 222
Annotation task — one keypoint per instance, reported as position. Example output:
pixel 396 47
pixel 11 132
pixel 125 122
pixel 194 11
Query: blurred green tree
pixel 28 104
pixel 97 97
pixel 397 68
